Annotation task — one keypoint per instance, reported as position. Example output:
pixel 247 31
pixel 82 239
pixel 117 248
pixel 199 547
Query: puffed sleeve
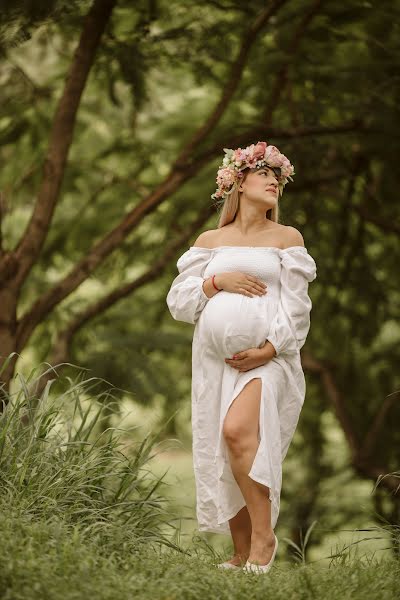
pixel 186 298
pixel 290 326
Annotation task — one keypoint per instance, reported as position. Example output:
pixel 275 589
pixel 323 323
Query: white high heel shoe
pixel 228 565
pixel 254 568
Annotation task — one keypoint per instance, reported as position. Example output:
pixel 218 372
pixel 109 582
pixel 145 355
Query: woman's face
pixel 261 185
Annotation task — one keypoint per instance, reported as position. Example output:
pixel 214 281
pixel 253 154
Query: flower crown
pixel 256 155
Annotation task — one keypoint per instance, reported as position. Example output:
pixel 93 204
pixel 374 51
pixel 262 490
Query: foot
pixel 262 549
pixel 238 560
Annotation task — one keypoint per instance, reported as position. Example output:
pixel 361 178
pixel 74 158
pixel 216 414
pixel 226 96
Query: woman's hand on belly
pixel 249 359
pixel 241 283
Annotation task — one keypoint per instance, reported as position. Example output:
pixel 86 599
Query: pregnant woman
pixel 244 286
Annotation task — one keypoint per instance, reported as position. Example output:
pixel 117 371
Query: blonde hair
pixel 230 206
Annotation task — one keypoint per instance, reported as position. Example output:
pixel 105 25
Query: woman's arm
pixel 290 326
pixel 208 287
pixel 267 351
pixel 186 297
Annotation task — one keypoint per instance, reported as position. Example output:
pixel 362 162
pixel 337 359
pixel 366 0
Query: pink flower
pixel 226 177
pixel 259 150
pixel 239 156
pixel 273 156
pixel 255 153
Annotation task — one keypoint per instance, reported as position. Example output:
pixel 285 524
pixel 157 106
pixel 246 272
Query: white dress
pixel 228 323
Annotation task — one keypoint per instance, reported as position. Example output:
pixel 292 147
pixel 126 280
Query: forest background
pixel 113 117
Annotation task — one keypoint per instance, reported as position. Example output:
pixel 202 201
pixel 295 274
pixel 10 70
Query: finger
pixel 247 286
pixel 239 356
pixel 243 291
pixel 255 280
pixel 260 288
pixel 257 287
pixel 260 291
pixel 253 289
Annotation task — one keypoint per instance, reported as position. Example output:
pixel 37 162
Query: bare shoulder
pixel 206 239
pixel 292 237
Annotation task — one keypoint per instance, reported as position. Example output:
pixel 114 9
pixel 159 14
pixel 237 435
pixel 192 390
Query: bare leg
pixel 240 431
pixel 240 527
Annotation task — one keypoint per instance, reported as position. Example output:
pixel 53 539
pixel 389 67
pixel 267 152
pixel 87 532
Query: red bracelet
pixel 212 279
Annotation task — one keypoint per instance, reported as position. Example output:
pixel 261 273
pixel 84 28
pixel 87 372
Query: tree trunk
pixel 15 265
pixel 8 334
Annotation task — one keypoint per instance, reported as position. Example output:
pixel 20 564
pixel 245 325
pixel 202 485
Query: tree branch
pixel 281 79
pixel 60 352
pixel 152 273
pixel 2 213
pixel 388 226
pixel 233 80
pixel 61 135
pixel 372 437
pixel 180 172
pixel 177 177
pixel 275 133
pixel 325 371
pixel 361 462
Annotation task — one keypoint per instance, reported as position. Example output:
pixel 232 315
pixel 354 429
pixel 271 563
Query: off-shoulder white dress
pixel 228 323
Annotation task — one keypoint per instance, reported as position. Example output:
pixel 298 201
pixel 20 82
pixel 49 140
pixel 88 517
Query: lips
pixel 271 190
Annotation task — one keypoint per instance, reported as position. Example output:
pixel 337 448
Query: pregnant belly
pixel 234 322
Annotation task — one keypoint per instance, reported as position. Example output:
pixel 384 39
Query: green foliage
pixel 20 18
pixel 82 516
pixel 49 560
pixel 58 463
pixel 160 70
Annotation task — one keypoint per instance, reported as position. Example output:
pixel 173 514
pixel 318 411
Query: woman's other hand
pixel 251 358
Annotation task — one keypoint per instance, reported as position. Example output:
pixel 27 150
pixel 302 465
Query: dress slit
pixel 264 464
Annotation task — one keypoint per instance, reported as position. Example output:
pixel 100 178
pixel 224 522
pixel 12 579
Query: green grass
pixel 85 516
pixel 49 560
